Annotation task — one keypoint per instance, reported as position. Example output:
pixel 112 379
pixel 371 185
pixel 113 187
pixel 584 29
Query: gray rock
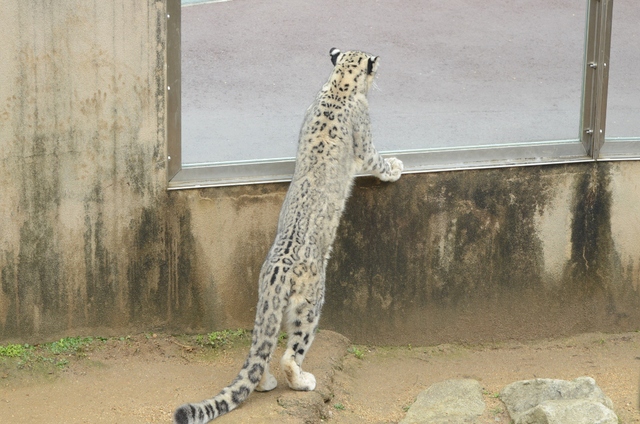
pixel 450 401
pixel 547 401
pixel 574 411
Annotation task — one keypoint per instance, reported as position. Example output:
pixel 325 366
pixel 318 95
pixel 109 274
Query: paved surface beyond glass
pixel 623 111
pixel 455 73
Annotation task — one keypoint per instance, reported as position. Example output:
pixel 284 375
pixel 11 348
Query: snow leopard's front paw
pixel 395 170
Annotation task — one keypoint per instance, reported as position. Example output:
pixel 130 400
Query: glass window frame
pixel 588 147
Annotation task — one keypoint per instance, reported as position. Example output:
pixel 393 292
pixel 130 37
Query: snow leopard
pixel 334 146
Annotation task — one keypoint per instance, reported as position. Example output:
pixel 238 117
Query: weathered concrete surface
pixel 91 241
pixel 89 237
pixel 450 401
pixel 549 401
pixel 434 258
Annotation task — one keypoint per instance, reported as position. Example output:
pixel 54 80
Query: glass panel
pixel 458 73
pixel 623 103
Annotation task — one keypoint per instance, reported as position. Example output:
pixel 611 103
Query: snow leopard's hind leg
pixel 267 382
pixel 301 323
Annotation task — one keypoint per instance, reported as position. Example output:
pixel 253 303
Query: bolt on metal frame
pixel 592 125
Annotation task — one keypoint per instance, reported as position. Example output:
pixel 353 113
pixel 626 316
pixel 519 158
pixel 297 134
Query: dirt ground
pixel 141 379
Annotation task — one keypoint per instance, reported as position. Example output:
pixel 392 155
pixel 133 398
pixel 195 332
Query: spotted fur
pixel 335 145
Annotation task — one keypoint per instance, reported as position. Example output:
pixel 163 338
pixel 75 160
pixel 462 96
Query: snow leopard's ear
pixel 372 65
pixel 334 53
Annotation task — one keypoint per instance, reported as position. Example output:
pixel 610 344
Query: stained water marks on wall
pixel 86 236
pixel 480 253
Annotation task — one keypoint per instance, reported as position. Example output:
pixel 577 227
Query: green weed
pixel 357 352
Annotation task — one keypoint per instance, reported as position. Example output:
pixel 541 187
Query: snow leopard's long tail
pixel 264 341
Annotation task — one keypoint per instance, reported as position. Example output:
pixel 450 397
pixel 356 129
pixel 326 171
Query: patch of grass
pixel 62 363
pixel 493 395
pixel 47 357
pixel 14 350
pixel 224 338
pixel 69 345
pixel 339 407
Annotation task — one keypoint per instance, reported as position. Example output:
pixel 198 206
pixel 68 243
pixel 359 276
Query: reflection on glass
pixel 623 104
pixel 454 73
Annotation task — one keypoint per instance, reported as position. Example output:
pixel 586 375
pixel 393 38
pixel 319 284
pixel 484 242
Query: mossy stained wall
pixel 489 255
pixel 86 241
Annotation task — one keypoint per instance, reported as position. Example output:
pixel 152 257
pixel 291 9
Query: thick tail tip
pixel 181 416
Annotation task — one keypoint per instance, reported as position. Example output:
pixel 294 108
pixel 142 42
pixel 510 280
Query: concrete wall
pixel 92 243
pixel 460 256
pixel 88 236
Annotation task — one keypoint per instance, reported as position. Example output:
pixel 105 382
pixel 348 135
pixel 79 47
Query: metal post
pixel 173 108
pixel 596 75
